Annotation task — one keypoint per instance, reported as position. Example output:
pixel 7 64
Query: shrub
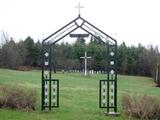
pixel 24 68
pixel 143 107
pixel 17 98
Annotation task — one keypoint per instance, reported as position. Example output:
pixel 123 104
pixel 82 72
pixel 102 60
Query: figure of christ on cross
pixel 85 63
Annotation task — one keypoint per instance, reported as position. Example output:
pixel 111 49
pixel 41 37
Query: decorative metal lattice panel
pixel 107 94
pixel 103 85
pixel 50 98
pixel 55 93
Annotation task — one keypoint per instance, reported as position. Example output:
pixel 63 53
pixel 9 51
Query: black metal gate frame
pixel 81 23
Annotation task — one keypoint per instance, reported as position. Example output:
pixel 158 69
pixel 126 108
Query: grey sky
pixel 134 21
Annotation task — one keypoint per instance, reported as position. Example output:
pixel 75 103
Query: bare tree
pixel 4 38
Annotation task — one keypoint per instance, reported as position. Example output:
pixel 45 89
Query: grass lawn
pixel 79 95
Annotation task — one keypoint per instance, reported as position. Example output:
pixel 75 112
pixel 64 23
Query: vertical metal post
pixel 100 96
pixel 42 92
pixel 115 60
pixel 50 75
pixel 108 69
pixel 58 93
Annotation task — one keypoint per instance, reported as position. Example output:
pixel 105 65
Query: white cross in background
pixel 79 8
pixel 85 58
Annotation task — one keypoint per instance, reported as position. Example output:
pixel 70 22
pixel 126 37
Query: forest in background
pixel 131 60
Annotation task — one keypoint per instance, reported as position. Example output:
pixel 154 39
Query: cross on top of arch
pixel 79 8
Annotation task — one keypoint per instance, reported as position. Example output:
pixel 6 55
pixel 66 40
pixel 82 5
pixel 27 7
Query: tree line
pixel 131 60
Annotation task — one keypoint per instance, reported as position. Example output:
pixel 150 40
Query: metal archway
pixel 107 87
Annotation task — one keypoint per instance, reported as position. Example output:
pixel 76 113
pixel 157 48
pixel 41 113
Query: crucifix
pixel 85 62
pixel 85 57
pixel 79 8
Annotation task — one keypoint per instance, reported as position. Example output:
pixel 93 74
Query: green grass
pixel 79 95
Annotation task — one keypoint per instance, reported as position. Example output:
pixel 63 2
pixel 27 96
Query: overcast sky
pixel 132 21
